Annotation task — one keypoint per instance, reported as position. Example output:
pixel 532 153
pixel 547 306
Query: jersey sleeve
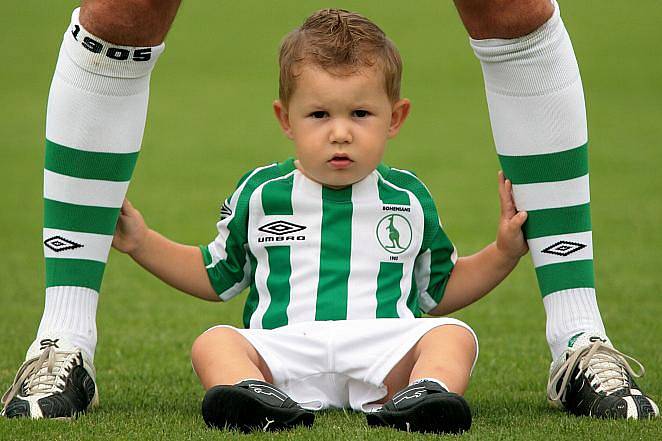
pixel 225 258
pixel 436 258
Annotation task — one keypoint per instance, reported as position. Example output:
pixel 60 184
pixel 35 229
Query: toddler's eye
pixel 361 113
pixel 318 114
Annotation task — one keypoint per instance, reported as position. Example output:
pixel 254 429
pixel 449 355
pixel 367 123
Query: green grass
pixel 210 120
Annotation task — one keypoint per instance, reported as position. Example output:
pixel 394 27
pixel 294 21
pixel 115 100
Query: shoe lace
pixel 609 368
pixel 43 374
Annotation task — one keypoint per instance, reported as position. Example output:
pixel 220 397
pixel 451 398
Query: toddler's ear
pixel 283 118
pixel 398 116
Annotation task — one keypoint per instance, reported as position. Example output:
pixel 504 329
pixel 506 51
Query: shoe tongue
pixel 56 343
pixel 587 339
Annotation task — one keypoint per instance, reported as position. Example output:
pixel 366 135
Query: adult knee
pixel 503 18
pixel 129 22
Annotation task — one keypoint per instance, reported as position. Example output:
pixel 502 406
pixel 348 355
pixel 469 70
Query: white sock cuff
pixel 434 380
pixel 70 314
pixel 535 64
pixel 570 312
pixel 98 56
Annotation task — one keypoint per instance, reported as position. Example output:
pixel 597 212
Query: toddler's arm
pixel 476 275
pixel 180 266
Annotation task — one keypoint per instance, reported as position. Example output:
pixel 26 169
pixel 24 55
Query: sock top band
pixel 101 57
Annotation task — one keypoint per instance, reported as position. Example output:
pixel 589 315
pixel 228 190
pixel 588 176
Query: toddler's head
pixel 339 95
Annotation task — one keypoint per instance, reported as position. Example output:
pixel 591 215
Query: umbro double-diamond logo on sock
pixel 59 243
pixel 563 248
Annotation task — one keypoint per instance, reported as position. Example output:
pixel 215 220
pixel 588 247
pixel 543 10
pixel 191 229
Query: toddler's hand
pixel 510 238
pixel 131 229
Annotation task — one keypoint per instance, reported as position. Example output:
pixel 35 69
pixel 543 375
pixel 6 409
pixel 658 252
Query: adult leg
pixel 425 386
pixel 94 125
pixel 538 116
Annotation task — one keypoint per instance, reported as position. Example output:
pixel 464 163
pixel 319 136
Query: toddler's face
pixel 340 124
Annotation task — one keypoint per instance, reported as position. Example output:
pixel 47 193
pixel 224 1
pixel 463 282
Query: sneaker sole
pixel 227 407
pixel 439 413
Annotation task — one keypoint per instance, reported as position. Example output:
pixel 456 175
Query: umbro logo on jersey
pixel 226 211
pixel 281 231
pixel 281 228
pixel 563 248
pixel 59 243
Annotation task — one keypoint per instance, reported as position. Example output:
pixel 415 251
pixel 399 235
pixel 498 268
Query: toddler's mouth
pixel 340 161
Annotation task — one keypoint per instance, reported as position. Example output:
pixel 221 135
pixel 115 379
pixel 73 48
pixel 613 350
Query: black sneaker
pixel 252 405
pixel 56 381
pixel 591 378
pixel 424 407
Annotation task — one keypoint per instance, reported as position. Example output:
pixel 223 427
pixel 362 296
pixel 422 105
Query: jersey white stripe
pixel 63 244
pixel 552 194
pixel 262 271
pixel 91 192
pixel 365 251
pixel 408 264
pixel 305 257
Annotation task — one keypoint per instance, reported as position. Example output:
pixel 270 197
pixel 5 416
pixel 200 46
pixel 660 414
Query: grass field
pixel 210 120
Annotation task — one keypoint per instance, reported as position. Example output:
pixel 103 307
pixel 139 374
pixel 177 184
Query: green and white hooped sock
pixel 536 104
pixel 95 120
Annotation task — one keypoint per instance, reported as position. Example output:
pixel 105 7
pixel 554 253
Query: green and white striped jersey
pixel 372 250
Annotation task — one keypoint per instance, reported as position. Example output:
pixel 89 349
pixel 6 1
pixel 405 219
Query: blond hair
pixel 342 43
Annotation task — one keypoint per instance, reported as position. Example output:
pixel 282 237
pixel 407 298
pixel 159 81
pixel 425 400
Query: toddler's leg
pixel 221 356
pixel 425 386
pixel 445 354
pixel 238 383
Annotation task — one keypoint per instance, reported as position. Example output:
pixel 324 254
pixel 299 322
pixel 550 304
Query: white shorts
pixel 340 363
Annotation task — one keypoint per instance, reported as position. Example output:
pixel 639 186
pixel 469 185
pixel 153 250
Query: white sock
pixel 570 313
pixel 95 120
pixel 434 380
pixel 536 103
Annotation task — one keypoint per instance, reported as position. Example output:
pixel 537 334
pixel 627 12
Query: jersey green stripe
pixel 560 276
pixel 335 255
pixel 388 289
pixel 253 298
pixel 82 218
pixel 277 197
pixel 412 299
pixel 390 195
pixel 548 167
pixel 74 272
pixel 278 283
pixel 553 221
pixel 76 163
pixel 233 265
pixel 413 184
pixel 441 266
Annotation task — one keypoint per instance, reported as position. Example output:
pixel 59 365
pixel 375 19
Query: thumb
pixel 519 219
